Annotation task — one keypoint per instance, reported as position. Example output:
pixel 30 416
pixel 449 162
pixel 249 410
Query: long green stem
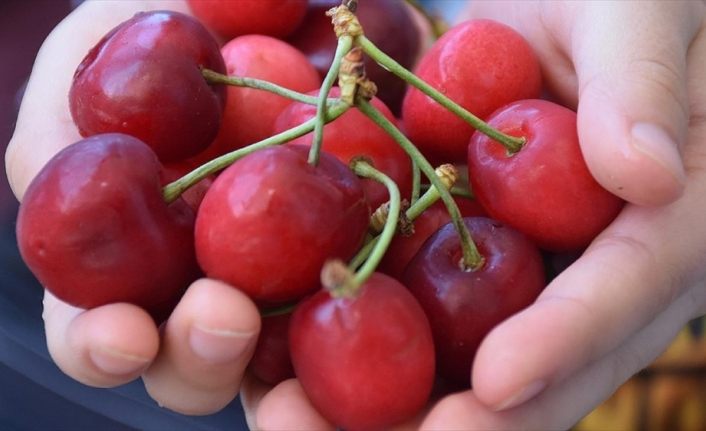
pixel 513 144
pixel 472 258
pixel 344 45
pixel 364 169
pixel 258 84
pixel 416 183
pixel 173 190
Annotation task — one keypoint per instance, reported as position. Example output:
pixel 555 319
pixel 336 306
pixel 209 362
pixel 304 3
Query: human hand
pixel 631 70
pixel 195 364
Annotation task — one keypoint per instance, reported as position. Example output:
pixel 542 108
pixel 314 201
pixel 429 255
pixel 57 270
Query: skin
pixel 626 66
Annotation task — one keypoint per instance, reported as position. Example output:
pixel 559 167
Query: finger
pixel 104 347
pixel 563 405
pixel 44 124
pixel 286 406
pixel 206 345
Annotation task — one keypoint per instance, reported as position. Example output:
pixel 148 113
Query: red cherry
pixel 353 135
pixel 271 220
pixel 144 79
pixel 403 248
pixel 463 306
pixel 94 229
pixel 250 114
pixel 387 23
pixel 365 362
pixel 231 18
pixel 479 64
pixel 194 194
pixel 271 361
pixel 545 190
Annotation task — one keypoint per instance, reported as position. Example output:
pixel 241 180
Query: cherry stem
pixel 174 189
pixel 258 84
pixel 366 170
pixel 428 199
pixel 459 191
pixel 345 43
pixel 512 144
pixel 416 183
pixel 472 258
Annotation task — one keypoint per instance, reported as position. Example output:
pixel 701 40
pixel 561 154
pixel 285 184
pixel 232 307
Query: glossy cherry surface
pixel 231 18
pixel 545 190
pixel 387 23
pixel 353 135
pixel 271 220
pixel 463 306
pixel 365 362
pixel 94 229
pixel 479 64
pixel 144 79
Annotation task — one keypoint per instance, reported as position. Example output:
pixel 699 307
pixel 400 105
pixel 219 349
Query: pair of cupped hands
pixel 636 73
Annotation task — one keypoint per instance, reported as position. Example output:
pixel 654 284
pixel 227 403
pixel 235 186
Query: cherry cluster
pixel 241 162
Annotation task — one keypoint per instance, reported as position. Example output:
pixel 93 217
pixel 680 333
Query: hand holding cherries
pixel 100 224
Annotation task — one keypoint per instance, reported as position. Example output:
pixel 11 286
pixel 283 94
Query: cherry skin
pixel 365 362
pixel 250 114
pixel 271 361
pixel 270 221
pixel 387 23
pixel 353 135
pixel 94 229
pixel 479 64
pixel 463 306
pixel 545 190
pixel 231 18
pixel 144 79
pixel 403 248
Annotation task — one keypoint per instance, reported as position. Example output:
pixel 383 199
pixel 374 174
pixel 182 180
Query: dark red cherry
pixel 271 361
pixel 144 79
pixel 271 220
pixel 463 306
pixel 545 190
pixel 94 229
pixel 365 362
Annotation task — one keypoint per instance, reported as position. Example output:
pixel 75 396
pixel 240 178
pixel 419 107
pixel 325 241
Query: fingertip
pixel 286 406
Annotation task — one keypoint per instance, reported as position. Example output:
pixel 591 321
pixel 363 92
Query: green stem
pixel 472 258
pixel 455 191
pixel 513 144
pixel 344 45
pixel 258 84
pixel 416 183
pixel 364 169
pixel 173 190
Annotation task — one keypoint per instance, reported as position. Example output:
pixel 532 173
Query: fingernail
pixel 654 142
pixel 116 362
pixel 218 345
pixel 524 394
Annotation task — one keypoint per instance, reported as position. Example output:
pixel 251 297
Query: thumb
pixel 633 111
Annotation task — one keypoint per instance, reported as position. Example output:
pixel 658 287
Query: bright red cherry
pixel 231 18
pixel 353 135
pixel 366 362
pixel 463 306
pixel 545 190
pixel 144 79
pixel 271 220
pixel 94 229
pixel 479 64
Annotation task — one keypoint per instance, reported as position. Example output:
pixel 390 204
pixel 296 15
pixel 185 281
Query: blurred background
pixel 669 395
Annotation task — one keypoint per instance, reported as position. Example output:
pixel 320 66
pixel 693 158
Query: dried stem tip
pixel 447 174
pixel 337 279
pixel 344 22
pixel 351 74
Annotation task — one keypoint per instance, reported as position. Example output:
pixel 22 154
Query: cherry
pixel 545 190
pixel 231 18
pixel 479 64
pixel 388 23
pixel 463 306
pixel 271 361
pixel 271 220
pixel 403 248
pixel 353 135
pixel 144 79
pixel 94 229
pixel 367 361
pixel 250 114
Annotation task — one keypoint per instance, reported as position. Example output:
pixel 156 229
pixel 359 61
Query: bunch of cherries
pixel 238 163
